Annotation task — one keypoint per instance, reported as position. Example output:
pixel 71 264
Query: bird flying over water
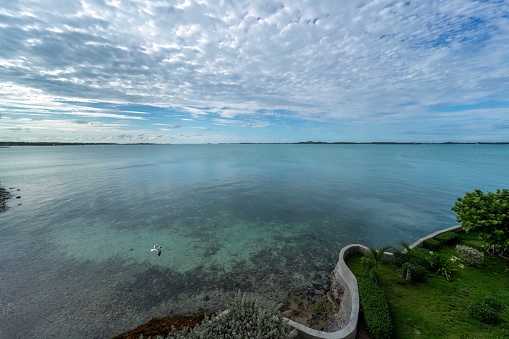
pixel 157 248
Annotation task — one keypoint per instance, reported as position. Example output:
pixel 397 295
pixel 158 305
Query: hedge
pixel 376 309
pixel 431 244
pixel 447 238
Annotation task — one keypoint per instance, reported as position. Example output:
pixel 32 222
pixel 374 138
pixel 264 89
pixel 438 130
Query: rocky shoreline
pixel 312 306
pixel 4 196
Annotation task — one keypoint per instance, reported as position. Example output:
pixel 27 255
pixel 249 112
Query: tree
pixel 489 215
pixel 372 262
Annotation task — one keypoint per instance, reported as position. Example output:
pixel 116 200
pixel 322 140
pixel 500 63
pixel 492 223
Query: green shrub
pixel 486 309
pixel 246 318
pixel 499 332
pixel 431 244
pixel 447 238
pixel 470 255
pixel 376 310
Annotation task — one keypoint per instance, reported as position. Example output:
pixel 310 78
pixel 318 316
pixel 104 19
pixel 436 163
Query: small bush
pixel 246 318
pixel 470 255
pixel 431 244
pixel 376 310
pixel 447 238
pixel 486 309
pixel 499 332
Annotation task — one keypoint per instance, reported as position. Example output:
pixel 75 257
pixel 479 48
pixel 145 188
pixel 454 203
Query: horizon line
pixel 59 143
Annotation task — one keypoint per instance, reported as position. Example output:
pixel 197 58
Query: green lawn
pixel 438 308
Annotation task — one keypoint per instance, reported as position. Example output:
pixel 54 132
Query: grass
pixel 438 308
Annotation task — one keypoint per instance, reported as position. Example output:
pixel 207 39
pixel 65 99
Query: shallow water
pixel 75 257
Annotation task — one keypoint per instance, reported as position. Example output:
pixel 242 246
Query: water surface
pixel 75 256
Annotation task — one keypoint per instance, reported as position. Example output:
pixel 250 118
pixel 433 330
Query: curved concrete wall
pixel 349 311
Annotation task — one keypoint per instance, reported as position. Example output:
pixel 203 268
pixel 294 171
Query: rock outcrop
pixel 4 196
pixel 162 326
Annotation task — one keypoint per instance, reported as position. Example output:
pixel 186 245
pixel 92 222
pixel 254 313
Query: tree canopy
pixel 487 213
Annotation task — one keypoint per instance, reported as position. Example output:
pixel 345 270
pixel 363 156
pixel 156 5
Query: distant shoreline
pixel 7 144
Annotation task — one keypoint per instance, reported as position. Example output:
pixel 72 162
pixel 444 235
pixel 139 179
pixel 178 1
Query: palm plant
pixel 444 266
pixel 372 262
pixel 407 255
pixel 413 262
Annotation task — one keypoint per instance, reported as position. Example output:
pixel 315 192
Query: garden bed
pixel 437 308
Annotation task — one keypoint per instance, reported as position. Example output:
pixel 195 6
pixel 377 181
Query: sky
pixel 213 71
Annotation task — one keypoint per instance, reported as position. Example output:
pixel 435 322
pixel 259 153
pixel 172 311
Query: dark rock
pixel 162 326
pixel 4 196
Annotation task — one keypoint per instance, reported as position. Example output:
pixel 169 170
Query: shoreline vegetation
pixel 5 144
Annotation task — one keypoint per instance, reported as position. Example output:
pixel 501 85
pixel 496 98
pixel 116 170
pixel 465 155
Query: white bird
pixel 157 248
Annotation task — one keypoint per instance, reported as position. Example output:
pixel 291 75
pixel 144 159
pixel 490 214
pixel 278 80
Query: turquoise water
pixel 75 257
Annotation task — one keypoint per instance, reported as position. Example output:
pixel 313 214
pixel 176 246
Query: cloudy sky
pixel 203 71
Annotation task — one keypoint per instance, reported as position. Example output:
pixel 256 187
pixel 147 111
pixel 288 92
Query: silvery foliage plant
pixel 246 318
pixel 470 255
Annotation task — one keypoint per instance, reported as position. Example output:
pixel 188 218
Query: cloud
pixel 167 126
pixel 250 64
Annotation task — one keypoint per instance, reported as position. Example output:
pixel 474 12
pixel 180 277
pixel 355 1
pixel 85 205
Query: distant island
pixel 49 143
pixel 386 143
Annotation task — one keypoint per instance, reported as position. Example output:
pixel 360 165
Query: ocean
pixel 75 259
